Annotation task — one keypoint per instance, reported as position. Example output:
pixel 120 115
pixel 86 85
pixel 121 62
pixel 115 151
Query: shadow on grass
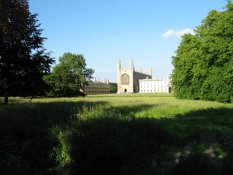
pixel 25 134
pixel 197 143
pixel 50 138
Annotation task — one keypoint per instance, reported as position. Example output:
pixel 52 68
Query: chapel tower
pixel 128 78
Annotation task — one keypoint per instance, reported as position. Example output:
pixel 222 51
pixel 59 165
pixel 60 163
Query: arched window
pixel 125 79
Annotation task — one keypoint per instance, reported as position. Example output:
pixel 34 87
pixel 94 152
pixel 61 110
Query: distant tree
pixel 113 88
pixel 69 77
pixel 203 64
pixel 23 60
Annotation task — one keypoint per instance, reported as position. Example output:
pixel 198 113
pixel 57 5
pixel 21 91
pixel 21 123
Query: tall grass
pixel 116 134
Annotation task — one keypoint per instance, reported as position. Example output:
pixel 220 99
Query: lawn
pixel 116 134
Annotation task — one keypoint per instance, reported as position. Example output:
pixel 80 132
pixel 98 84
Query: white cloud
pixel 178 33
pixel 168 33
pixel 184 31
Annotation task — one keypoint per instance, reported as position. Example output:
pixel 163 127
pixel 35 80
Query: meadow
pixel 139 134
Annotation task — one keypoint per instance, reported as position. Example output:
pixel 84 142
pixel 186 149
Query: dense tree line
pixel 203 64
pixel 23 59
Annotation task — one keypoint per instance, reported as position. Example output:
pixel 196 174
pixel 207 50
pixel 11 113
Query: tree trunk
pixel 5 99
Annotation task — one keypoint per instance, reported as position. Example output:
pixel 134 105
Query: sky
pixel 104 31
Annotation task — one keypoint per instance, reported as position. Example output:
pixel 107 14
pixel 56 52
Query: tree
pixel 23 59
pixel 203 64
pixel 69 77
pixel 113 88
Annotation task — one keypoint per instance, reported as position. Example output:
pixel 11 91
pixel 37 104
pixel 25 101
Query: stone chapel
pixel 128 78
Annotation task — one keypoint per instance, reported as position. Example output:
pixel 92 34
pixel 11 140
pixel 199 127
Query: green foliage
pixel 69 76
pixel 23 60
pixel 113 88
pixel 203 64
pixel 62 152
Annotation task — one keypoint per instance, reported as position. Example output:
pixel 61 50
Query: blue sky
pixel 147 31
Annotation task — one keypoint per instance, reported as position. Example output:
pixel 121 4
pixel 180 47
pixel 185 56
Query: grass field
pixel 140 134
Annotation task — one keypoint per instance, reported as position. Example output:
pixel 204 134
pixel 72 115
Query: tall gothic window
pixel 125 79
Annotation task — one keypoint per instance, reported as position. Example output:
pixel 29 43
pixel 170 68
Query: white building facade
pixel 155 86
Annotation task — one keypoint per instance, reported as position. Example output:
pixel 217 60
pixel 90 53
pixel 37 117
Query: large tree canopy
pixel 69 76
pixel 23 60
pixel 203 64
